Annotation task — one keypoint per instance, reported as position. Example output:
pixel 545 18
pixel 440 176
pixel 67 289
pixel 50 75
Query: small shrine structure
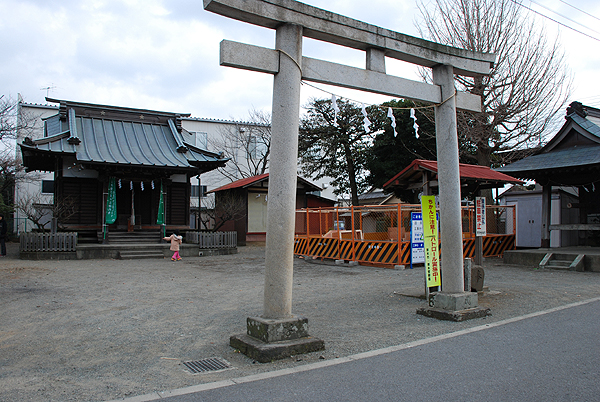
pixel 134 161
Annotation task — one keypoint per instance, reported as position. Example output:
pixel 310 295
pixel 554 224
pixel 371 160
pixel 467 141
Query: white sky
pixel 164 54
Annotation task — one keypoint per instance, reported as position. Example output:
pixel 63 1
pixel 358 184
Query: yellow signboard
pixel 430 237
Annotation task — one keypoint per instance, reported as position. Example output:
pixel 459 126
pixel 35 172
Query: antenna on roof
pixel 52 86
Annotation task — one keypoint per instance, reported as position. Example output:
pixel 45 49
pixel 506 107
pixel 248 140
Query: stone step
pixel 138 254
pixel 559 264
pixel 153 240
pixel 132 237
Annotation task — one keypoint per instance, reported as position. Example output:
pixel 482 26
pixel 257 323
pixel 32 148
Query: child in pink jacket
pixel 175 242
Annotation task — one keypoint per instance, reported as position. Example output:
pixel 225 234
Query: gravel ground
pixel 97 330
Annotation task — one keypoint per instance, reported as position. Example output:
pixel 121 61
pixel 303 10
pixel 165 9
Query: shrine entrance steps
pixel 560 258
pixel 137 237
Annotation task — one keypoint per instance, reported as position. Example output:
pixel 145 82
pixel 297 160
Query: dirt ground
pixel 97 330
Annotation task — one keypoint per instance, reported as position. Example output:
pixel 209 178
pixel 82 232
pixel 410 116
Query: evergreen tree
pixel 335 148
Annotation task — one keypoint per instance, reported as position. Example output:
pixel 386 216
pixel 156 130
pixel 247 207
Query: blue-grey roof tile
pixel 124 142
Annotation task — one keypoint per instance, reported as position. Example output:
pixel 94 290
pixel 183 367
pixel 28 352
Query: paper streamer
pixel 415 125
pixel 336 109
pixel 393 119
pixel 366 121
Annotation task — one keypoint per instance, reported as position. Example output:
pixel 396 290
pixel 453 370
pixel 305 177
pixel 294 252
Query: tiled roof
pixel 245 182
pixel 249 181
pixel 105 139
pixel 577 156
pixel 575 146
pixel 238 122
pixel 474 172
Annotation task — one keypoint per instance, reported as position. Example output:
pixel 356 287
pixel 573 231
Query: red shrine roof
pixel 482 174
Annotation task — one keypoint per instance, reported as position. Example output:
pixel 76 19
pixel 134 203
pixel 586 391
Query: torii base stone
pixel 268 339
pixel 460 306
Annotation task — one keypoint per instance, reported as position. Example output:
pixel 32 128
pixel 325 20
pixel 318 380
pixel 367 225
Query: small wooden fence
pixel 34 242
pixel 207 240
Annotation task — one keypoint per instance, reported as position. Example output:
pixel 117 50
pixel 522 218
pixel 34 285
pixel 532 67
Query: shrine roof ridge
pixel 81 105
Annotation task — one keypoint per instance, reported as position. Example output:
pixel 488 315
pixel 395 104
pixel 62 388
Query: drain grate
pixel 210 364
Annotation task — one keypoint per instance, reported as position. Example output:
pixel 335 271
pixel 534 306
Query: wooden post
pixel 546 205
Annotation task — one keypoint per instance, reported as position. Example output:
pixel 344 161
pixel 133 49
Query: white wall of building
pixel 30 184
pixel 528 208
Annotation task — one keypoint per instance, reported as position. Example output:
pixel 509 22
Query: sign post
pixel 431 243
pixel 480 229
pixel 417 247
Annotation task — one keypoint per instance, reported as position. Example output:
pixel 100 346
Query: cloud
pixel 164 55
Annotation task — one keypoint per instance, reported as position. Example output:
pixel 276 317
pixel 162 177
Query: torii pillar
pixel 453 302
pixel 278 333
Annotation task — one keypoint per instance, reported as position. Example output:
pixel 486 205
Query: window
pixel 199 191
pixel 201 140
pixel 48 186
pixel 252 147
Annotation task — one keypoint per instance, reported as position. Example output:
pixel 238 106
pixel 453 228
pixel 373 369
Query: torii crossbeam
pixel 278 333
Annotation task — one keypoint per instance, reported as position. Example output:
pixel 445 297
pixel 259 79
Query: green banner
pixel 111 202
pixel 160 218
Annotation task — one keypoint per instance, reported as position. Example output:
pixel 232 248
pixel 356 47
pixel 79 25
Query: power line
pixel 593 97
pixel 563 16
pixel 580 10
pixel 590 100
pixel 552 19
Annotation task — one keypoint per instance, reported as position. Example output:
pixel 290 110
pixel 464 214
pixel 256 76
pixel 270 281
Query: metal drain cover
pixel 210 364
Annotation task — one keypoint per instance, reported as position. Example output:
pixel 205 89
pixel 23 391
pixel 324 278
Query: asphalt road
pixel 548 356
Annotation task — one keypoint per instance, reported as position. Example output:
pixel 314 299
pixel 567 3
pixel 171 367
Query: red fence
pixel 381 234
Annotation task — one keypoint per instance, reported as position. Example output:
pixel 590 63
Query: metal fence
pixel 212 239
pixel 34 242
pixel 381 234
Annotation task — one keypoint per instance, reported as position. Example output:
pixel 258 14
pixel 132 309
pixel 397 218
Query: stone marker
pixel 467 266
pixel 477 276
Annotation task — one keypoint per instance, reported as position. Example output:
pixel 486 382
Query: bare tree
pixel 8 118
pixel 9 168
pixel 248 145
pixel 528 85
pixel 36 208
pixel 11 121
pixel 224 207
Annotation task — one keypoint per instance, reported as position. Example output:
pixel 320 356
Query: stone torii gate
pixel 278 333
